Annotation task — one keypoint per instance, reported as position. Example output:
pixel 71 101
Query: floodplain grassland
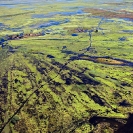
pixel 55 93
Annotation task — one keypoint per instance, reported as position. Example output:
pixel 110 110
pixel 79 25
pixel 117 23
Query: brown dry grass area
pixel 109 61
pixel 110 14
pixel 104 60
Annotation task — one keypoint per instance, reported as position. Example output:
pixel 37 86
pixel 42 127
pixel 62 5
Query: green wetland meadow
pixel 66 66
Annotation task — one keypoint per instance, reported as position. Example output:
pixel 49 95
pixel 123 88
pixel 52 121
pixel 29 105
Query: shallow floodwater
pixel 57 13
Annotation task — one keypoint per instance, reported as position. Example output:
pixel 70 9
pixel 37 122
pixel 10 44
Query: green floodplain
pixel 65 68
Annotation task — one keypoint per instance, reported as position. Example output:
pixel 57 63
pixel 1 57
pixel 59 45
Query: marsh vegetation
pixel 66 67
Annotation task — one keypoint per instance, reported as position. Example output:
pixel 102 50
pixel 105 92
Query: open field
pixel 66 67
